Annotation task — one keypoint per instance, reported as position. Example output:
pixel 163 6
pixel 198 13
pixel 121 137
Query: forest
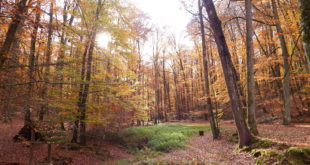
pixel 87 82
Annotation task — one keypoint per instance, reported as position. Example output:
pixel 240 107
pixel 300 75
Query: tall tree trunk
pixel 168 93
pixel 61 55
pixel 186 92
pixel 31 75
pixel 250 68
pixel 286 80
pixel 77 120
pixel 12 76
pixel 177 97
pixel 165 91
pixel 83 99
pixel 240 63
pixel 276 68
pixel 215 130
pixel 229 74
pixel 44 91
pixel 305 21
pixel 10 35
pixel 82 104
pixel 211 74
pixel 157 93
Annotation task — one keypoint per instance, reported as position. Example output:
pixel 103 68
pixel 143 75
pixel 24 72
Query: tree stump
pixel 26 132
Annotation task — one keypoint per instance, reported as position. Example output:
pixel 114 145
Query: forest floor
pixel 205 150
pixel 201 149
pixel 12 152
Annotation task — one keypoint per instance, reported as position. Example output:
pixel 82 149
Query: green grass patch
pixel 163 137
pixel 166 141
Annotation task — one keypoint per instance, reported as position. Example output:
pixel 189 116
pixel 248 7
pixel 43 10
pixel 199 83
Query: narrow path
pixel 205 150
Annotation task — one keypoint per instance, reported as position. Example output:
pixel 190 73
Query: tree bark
pixel 215 130
pixel 83 98
pixel 250 68
pixel 186 92
pixel 230 78
pixel 44 106
pixel 82 105
pixel 77 120
pixel 177 96
pixel 286 80
pixel 157 90
pixel 31 75
pixel 165 91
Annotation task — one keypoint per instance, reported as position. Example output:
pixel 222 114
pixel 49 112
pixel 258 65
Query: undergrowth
pixel 269 152
pixel 152 141
pixel 162 138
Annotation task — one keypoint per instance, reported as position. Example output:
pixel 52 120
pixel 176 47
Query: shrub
pixel 167 141
pixel 113 137
pixel 163 137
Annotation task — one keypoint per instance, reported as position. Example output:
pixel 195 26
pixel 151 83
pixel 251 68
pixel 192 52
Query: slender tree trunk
pixel 177 97
pixel 215 130
pixel 62 50
pixel 286 80
pixel 82 104
pixel 229 74
pixel 250 69
pixel 186 92
pixel 77 120
pixel 31 75
pixel 61 55
pixel 44 107
pixel 165 91
pixel 157 93
pixel 240 63
pixel 168 93
pixel 276 68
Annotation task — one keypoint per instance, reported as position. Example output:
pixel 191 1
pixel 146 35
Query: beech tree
pixel 230 76
pixel 48 53
pixel 215 130
pixel 31 63
pixel 286 76
pixel 250 68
